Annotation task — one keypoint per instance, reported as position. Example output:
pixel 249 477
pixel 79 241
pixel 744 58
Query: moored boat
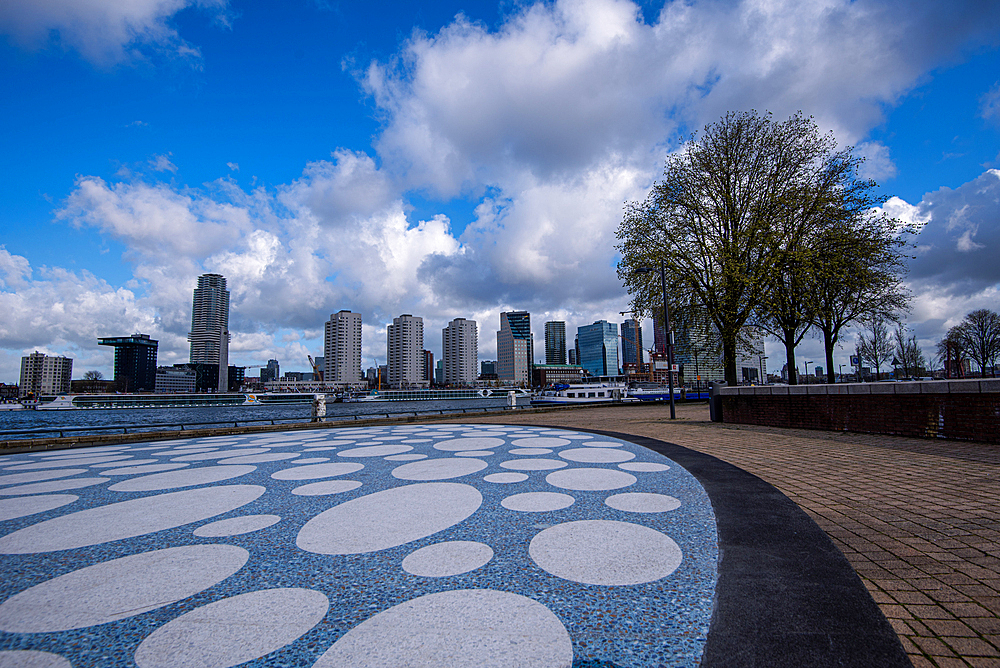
pixel 581 393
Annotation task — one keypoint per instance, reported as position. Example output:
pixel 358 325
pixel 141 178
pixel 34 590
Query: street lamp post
pixel 807 371
pixel 761 359
pixel 841 373
pixel 667 332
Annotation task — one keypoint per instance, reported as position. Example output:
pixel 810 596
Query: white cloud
pixel 103 31
pixel 161 163
pixel 990 103
pixel 878 164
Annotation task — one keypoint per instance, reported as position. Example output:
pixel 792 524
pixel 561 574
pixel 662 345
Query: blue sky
pixel 447 159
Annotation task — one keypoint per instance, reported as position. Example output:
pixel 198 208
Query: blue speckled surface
pixel 661 623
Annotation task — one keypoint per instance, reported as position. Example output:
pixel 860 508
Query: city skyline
pixel 325 159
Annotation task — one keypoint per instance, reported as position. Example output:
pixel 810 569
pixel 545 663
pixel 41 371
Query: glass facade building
pixel 598 345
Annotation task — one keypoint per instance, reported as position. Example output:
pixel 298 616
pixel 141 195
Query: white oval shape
pixel 147 468
pixel 389 518
pixel 438 469
pixel 38 476
pixel 52 486
pixel 460 444
pixel 642 502
pixel 644 467
pixel 465 628
pixel 596 455
pixel 540 442
pixel 449 558
pixel 533 464
pixel 405 458
pixel 530 451
pixel 325 487
pixel 537 502
pixel 505 478
pixel 120 588
pixel 605 552
pixel 128 519
pixel 603 444
pixel 375 450
pixel 313 471
pixel 184 478
pixel 49 464
pixel 324 449
pixel 417 440
pixel 131 462
pixel 234 630
pixel 236 526
pixel 13 508
pixel 313 460
pixel 261 459
pixel 475 453
pixel 590 479
pixel 29 658
pixel 220 454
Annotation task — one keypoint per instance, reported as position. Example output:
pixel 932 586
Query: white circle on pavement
pixel 474 453
pixel 465 628
pixel 37 476
pixel 603 444
pixel 644 467
pixel 83 461
pixel 183 478
pixel 52 486
pixel 530 451
pixel 540 442
pixel 605 552
pixel 590 479
pixel 596 455
pixel 120 588
pixel 261 459
pixel 505 478
pixel 449 558
pixel 145 468
pixel 128 519
pixel 417 440
pixel 375 450
pixel 131 462
pixel 464 444
pixel 219 454
pixel 643 502
pixel 29 505
pixel 438 469
pixel 533 464
pixel 389 518
pixel 405 458
pixel 324 449
pixel 312 460
pixel 312 471
pixel 236 526
pixel 234 630
pixel 29 658
pixel 537 502
pixel 325 487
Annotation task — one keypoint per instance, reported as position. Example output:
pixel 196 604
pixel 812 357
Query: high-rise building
pixel 555 342
pixel 209 334
pixel 659 337
pixel 342 348
pixel 632 344
pixel 42 374
pixel 271 372
pixel 135 362
pixel 598 345
pixel 439 372
pixel 405 351
pixel 488 369
pixel 515 347
pixel 460 351
pixel 428 367
pixel 572 356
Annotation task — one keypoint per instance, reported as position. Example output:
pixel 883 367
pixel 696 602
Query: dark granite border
pixel 786 597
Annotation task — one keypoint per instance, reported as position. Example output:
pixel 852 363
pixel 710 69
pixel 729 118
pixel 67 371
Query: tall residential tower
pixel 209 334
pixel 405 352
pixel 460 351
pixel 555 342
pixel 515 347
pixel 342 348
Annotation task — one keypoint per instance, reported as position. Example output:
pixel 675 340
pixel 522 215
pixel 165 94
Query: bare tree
pixel 951 352
pixel 979 334
pixel 875 345
pixel 907 351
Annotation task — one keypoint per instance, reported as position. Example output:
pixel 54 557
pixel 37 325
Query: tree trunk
pixel 793 375
pixel 828 343
pixel 729 359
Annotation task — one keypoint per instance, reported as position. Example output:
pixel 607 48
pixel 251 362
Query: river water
pixel 30 419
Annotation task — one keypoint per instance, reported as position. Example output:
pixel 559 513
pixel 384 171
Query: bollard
pixel 511 400
pixel 319 408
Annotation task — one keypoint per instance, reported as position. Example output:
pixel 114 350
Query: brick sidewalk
pixel 918 519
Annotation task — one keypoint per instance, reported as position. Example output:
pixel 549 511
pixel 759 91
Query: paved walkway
pixel 919 520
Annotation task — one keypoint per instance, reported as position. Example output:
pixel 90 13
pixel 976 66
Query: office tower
pixel 342 348
pixel 439 372
pixel 405 351
pixel 42 374
pixel 271 372
pixel 428 367
pixel 599 348
pixel 460 351
pixel 209 334
pixel 572 356
pixel 135 362
pixel 488 369
pixel 555 342
pixel 632 344
pixel 659 337
pixel 515 347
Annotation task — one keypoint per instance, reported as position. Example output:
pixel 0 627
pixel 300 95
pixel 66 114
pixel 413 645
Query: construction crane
pixel 317 374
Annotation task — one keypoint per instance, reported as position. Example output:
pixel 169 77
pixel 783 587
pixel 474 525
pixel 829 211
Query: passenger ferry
pixel 65 402
pixel 446 394
pixel 582 393
pixel 653 392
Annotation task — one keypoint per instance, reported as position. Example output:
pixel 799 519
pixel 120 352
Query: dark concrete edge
pixel 786 595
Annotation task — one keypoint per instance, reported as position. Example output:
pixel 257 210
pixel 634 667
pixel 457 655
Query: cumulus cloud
pixel 161 163
pixel 103 31
pixel 878 164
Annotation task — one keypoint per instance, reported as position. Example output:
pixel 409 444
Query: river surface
pixel 30 419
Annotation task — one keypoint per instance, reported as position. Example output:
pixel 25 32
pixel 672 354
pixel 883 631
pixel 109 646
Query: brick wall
pixel 966 410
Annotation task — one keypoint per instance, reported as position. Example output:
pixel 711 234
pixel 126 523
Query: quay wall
pixel 950 409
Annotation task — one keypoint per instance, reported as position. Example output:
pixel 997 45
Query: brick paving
pixel 918 519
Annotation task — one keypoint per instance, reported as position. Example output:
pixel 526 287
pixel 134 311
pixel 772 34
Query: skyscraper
pixel 599 348
pixel 271 372
pixel 555 342
pixel 41 374
pixel 135 362
pixel 342 348
pixel 209 334
pixel 405 351
pixel 632 344
pixel 515 347
pixel 460 351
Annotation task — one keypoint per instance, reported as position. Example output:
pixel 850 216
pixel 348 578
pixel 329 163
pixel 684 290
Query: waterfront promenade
pixel 918 519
